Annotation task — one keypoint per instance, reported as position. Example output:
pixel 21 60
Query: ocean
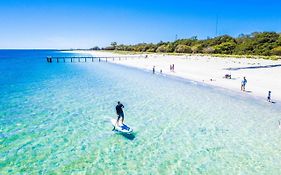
pixel 55 119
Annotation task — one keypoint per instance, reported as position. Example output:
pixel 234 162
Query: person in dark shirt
pixel 119 112
pixel 269 96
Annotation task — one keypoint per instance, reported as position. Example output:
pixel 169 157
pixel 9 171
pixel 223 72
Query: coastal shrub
pixel 171 47
pixel 197 48
pixel 277 51
pixel 120 47
pixel 165 48
pixel 279 40
pixel 257 43
pixel 208 50
pixel 265 37
pixel 161 48
pixel 183 49
pixel 140 47
pixel 218 40
pixel 95 48
pixel 188 42
pixel 264 42
pixel 108 48
pixel 113 45
pixel 225 48
pixel 245 47
pixel 151 49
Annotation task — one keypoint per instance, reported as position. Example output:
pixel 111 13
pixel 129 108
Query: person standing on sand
pixel 269 96
pixel 243 84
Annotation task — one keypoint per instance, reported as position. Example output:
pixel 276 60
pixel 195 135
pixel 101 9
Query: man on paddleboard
pixel 119 112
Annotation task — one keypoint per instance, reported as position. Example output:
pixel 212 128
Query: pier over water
pixel 77 59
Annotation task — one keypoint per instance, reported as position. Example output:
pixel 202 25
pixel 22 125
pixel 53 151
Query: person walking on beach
pixel 120 113
pixel 153 70
pixel 269 96
pixel 243 84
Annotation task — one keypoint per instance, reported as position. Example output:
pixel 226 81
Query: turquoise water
pixel 55 119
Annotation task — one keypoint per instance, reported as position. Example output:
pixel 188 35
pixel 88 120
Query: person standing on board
pixel 119 112
pixel 243 84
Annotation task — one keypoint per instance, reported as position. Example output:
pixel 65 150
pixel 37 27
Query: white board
pixel 124 128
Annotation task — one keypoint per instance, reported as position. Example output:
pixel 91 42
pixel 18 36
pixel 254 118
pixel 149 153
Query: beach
pixel 56 118
pixel 262 75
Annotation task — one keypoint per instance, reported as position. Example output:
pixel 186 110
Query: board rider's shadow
pixel 128 136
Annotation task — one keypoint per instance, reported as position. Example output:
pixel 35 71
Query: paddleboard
pixel 122 128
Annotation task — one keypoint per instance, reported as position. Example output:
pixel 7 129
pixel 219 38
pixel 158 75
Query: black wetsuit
pixel 119 110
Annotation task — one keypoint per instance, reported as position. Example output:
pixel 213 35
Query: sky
pixel 64 24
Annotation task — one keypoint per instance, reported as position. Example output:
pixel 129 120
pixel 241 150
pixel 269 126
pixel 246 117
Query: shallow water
pixel 55 118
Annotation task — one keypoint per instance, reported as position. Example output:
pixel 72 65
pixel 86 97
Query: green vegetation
pixel 266 44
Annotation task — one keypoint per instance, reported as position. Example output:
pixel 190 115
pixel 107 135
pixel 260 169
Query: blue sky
pixel 87 23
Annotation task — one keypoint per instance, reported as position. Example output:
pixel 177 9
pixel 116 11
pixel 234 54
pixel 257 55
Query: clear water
pixel 55 119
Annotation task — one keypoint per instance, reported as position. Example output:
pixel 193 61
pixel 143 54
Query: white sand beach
pixel 262 75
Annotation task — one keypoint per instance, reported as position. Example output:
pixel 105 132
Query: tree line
pixel 257 43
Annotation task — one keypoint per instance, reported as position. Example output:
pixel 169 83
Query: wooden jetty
pixel 78 59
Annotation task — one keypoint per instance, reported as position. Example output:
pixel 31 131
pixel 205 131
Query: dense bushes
pixel 165 48
pixel 264 43
pixel 277 50
pixel 183 49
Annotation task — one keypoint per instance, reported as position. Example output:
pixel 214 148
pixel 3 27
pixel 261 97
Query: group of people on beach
pixel 243 85
pixel 243 82
pixel 172 69
pixel 153 70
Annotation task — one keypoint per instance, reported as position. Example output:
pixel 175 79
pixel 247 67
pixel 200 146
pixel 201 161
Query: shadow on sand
pixel 254 67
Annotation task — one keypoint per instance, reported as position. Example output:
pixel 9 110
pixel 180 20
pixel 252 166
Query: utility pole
pixel 217 22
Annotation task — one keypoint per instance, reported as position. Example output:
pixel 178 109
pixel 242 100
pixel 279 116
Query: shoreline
pixel 262 75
